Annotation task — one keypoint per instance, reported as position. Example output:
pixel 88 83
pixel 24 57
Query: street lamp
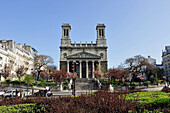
pixel 74 75
pixel 74 79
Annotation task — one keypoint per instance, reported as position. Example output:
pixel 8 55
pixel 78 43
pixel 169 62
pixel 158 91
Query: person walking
pixel 22 95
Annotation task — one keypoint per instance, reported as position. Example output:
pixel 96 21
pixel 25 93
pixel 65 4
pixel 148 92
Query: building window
pixel 101 32
pixel 65 32
pixel 166 72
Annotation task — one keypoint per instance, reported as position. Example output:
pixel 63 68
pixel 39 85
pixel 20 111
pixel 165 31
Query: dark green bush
pixel 103 82
pixel 7 81
pixel 134 83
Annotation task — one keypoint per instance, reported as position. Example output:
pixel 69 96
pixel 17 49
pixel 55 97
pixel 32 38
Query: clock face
pixel 101 42
pixel 65 41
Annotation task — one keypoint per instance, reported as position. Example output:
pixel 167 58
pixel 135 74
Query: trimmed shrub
pixel 150 100
pixel 102 101
pixel 22 108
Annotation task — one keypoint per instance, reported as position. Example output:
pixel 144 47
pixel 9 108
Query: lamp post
pixel 74 79
pixel 74 75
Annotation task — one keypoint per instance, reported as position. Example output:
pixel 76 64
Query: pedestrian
pixel 46 93
pixel 69 88
pixel 22 95
pixel 16 93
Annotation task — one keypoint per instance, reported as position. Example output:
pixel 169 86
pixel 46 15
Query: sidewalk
pixel 69 93
pixel 153 88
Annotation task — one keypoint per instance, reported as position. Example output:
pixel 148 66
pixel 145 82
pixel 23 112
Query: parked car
pixel 43 93
pixel 25 92
pixel 49 93
pixel 2 92
pixel 10 93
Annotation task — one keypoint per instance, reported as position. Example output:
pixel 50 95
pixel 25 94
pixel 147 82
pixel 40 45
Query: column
pixel 92 69
pixel 80 64
pixel 87 74
pixel 67 66
pixel 99 66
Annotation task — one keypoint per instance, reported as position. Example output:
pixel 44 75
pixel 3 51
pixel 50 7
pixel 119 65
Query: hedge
pixel 150 100
pixel 23 108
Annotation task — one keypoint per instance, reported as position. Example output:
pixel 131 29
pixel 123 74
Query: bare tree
pixel 20 71
pixel 41 61
pixel 137 65
pixel 6 71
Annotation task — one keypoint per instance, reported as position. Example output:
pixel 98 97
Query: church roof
pixel 83 55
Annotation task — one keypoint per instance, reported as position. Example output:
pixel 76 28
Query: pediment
pixel 83 55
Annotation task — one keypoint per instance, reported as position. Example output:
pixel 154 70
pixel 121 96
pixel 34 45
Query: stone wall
pixel 104 66
pixel 63 66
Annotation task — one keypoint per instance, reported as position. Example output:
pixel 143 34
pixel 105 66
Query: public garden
pixel 115 94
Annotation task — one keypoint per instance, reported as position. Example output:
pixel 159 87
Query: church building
pixel 83 58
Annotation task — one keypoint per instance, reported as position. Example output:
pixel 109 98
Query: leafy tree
pixel 44 75
pixel 113 74
pixel 59 75
pixel 98 74
pixel 40 61
pixel 28 79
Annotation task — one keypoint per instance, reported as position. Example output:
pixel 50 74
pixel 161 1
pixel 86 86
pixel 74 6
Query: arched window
pixel 65 32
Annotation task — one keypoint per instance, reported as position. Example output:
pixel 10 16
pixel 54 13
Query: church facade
pixel 83 58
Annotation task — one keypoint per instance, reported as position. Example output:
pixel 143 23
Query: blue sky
pixel 133 27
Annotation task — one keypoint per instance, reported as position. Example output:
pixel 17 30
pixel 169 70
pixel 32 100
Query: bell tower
pixel 65 40
pixel 101 40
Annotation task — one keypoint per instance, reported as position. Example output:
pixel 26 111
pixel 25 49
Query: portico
pixel 83 63
pixel 83 68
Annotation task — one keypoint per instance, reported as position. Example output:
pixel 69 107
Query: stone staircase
pixel 86 84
